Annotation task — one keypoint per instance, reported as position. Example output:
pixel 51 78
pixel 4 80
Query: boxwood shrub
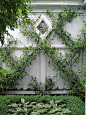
pixel 73 103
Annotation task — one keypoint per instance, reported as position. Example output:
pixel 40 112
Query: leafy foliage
pixel 3 76
pixel 40 108
pixel 10 11
pixel 42 87
pixel 70 102
pixel 4 72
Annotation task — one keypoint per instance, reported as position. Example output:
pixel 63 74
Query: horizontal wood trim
pixel 55 11
pixel 31 92
pixel 56 3
pixel 52 45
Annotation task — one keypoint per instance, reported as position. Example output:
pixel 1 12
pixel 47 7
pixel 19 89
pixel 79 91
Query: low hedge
pixel 73 103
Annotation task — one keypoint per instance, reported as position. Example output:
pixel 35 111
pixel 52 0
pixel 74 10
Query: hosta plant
pixel 20 109
pixel 38 109
pixel 49 109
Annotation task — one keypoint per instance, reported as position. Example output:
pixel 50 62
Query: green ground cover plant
pixel 68 101
pixel 39 108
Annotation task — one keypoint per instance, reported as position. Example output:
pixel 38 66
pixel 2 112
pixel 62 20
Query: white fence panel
pixel 39 67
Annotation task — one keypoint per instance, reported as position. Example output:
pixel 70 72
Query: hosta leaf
pixel 54 110
pixel 35 113
pixel 26 105
pixel 32 106
pixel 19 109
pixel 14 105
pixel 58 113
pixel 42 110
pixel 51 102
pixel 58 101
pixel 54 106
pixel 62 105
pixel 11 110
pixel 25 109
pixel 22 100
pixel 40 105
pixel 65 110
pixel 19 105
pixel 33 103
pixel 47 106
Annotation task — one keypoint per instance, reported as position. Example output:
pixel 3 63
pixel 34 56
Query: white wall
pixel 39 67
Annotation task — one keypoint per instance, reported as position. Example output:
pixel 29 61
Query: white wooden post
pixel 85 80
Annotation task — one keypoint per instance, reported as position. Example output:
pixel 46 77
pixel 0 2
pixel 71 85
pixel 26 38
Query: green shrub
pixel 73 103
pixel 3 79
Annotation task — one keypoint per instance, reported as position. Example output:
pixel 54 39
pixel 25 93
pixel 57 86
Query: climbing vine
pixel 61 65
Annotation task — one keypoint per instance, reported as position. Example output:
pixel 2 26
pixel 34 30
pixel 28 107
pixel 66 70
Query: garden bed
pixel 70 101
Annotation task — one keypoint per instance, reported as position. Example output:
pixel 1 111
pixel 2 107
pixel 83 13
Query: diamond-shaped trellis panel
pixel 43 26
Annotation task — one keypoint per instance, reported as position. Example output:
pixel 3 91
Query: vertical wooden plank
pixel 42 68
pixel 80 26
pixel 74 27
pixel 38 68
pixel 17 53
pixel 23 82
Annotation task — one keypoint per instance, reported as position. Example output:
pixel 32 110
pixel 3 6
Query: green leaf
pixel 22 100
pixel 29 1
pixel 14 105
